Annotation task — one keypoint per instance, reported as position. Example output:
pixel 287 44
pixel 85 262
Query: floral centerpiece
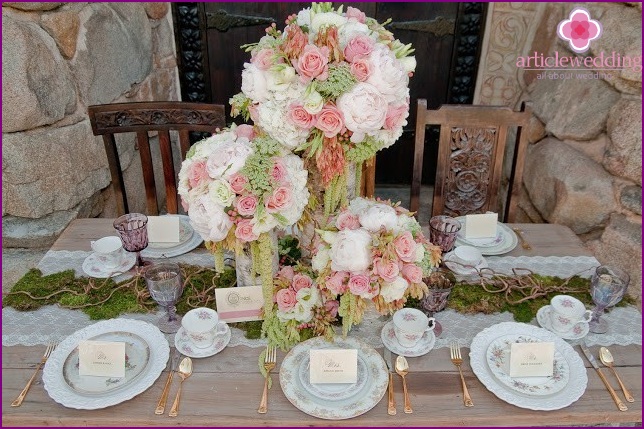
pixel 237 186
pixel 373 251
pixel 332 85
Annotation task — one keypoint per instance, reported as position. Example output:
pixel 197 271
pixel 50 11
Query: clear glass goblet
pixel 133 230
pixel 165 286
pixel 607 288
pixel 440 284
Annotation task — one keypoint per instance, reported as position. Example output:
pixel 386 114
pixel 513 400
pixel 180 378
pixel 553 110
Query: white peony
pixel 304 17
pixel 364 110
pixel 388 75
pixel 395 290
pixel 221 193
pixel 352 29
pixel 209 220
pixel 327 19
pixel 352 251
pixel 280 77
pixel 321 259
pixel 409 63
pixel 359 204
pixel 228 158
pixel 379 216
pixel 254 83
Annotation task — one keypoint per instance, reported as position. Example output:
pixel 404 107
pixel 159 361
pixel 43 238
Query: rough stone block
pixel 623 155
pixel 156 10
pixel 32 6
pixel 63 27
pixel 631 198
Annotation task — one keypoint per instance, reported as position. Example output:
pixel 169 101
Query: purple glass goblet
pixel 165 286
pixel 607 288
pixel 443 231
pixel 440 284
pixel 133 230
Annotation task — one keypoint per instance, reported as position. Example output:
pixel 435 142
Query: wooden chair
pixel 470 157
pixel 141 118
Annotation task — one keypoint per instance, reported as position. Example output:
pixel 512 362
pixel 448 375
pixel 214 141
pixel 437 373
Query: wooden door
pixel 446 37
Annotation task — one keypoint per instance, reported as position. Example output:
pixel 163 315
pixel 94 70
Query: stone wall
pixel 57 59
pixel 584 164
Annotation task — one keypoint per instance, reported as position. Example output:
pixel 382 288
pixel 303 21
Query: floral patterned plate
pixel 183 344
pixel 193 241
pixel 498 358
pixel 185 234
pixel 424 345
pixel 505 240
pixel 137 356
pixel 361 402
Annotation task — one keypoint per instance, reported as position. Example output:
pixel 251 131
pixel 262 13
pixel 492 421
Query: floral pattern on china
pixel 332 84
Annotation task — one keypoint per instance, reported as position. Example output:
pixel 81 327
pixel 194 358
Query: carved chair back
pixel 470 158
pixel 144 117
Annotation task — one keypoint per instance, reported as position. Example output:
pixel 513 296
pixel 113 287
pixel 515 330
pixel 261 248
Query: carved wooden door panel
pixel 446 37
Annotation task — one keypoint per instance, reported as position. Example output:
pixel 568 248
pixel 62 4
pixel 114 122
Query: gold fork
pixel 524 242
pixel 455 354
pixel 21 397
pixel 269 364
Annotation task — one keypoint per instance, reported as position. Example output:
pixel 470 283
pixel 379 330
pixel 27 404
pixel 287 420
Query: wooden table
pixel 225 389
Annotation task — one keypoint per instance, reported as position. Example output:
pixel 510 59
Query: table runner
pixel 52 323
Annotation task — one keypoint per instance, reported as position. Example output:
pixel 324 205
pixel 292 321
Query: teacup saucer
pixel 423 346
pixel 94 268
pixel 182 343
pixel 579 331
pixel 460 269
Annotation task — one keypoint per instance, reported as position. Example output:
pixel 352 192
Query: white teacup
pixel 410 325
pixel 109 251
pixel 467 255
pixel 567 312
pixel 203 326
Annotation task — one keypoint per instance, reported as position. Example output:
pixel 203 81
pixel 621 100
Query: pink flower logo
pixel 579 30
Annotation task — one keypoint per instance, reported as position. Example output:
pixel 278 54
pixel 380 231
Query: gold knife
pixel 620 405
pixel 391 402
pixel 166 389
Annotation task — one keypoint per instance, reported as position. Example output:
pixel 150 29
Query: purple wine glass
pixel 133 230
pixel 165 286
pixel 440 284
pixel 607 287
pixel 443 231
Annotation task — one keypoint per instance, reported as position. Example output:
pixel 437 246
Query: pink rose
pixel 359 284
pixel 287 272
pixel 359 46
pixel 301 281
pixel 387 270
pixel 331 306
pixel 299 116
pixel 286 299
pixel 197 173
pixel 237 183
pixel 356 14
pixel 347 220
pixel 336 283
pixel 280 200
pixel 329 121
pixel 361 69
pixel 263 59
pixel 245 130
pixel 244 231
pixel 247 205
pixel 279 173
pixel 405 247
pixel 313 63
pixel 253 111
pixel 413 273
pixel 396 116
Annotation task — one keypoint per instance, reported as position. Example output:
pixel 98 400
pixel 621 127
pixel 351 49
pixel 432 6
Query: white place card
pixel 101 358
pixel 239 304
pixel 532 359
pixel 333 366
pixel 481 225
pixel 163 229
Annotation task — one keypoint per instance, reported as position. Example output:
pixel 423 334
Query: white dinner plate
pixel 185 233
pixel 175 250
pixel 505 245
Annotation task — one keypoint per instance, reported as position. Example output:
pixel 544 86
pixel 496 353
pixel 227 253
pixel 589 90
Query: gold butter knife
pixel 391 401
pixel 166 389
pixel 620 405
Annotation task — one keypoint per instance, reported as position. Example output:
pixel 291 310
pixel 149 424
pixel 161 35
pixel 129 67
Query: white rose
pixel 263 224
pixel 302 313
pixel 254 83
pixel 364 110
pixel 209 220
pixel 313 102
pixel 352 251
pixel 321 259
pixel 228 158
pixel 408 63
pixel 352 29
pixel 308 296
pixel 329 236
pixel 304 17
pixel 420 253
pixel 280 77
pixel 327 18
pixel 359 204
pixel 388 76
pixel 395 290
pixel 378 216
pixel 221 193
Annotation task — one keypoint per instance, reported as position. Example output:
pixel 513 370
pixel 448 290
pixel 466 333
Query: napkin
pixel 481 225
pixel 163 229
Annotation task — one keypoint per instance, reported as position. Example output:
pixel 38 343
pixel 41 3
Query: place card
pixel 532 359
pixel 481 225
pixel 101 358
pixel 163 229
pixel 333 366
pixel 239 304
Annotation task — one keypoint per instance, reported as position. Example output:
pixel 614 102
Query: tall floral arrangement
pixel 237 186
pixel 373 251
pixel 333 86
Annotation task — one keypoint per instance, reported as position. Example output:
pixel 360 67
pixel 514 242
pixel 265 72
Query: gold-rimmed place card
pixel 239 304
pixel 532 359
pixel 333 365
pixel 101 358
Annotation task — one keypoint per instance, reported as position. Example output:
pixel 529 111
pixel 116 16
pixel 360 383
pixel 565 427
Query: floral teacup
pixel 410 325
pixel 567 312
pixel 202 326
pixel 109 251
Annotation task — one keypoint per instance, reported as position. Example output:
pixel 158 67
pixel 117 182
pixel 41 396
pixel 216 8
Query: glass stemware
pixel 440 284
pixel 607 288
pixel 443 231
pixel 133 230
pixel 165 286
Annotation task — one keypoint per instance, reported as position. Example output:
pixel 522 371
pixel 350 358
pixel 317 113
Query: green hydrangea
pixel 340 80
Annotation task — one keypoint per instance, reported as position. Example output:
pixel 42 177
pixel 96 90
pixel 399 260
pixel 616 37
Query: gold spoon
pixel 185 371
pixel 402 368
pixel 607 359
